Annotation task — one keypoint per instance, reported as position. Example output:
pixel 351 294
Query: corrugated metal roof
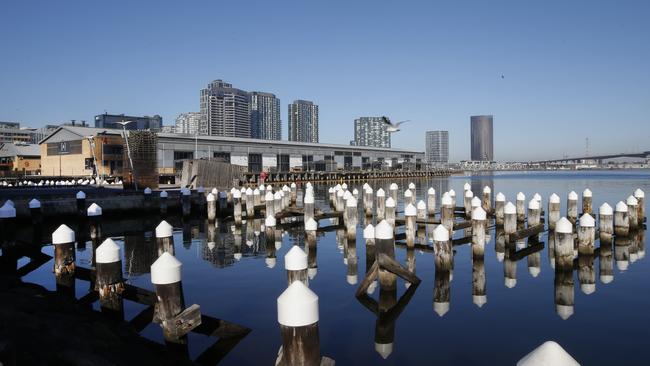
pixel 10 149
pixel 84 131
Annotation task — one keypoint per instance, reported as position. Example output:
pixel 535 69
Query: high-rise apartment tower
pixel 303 121
pixel 437 147
pixel 371 131
pixel 265 116
pixel 482 138
pixel 224 111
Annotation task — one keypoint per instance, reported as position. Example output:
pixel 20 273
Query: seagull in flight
pixel 392 127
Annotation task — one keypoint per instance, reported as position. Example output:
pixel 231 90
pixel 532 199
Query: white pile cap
pixel 441 308
pixel 81 195
pixel 311 224
pixel 166 270
pixel 408 193
pixel 295 259
pixel 452 193
pixel 479 214
pixel 270 262
pixel 521 196
pixel 94 210
pixel 500 197
pixel 639 193
pixel 355 192
pixel 631 201
pixel 369 190
pixel 587 220
pixel 293 185
pixel 63 235
pixel 621 207
pixel 554 198
pixel 586 193
pixel 369 232
pixel 390 202
pixel 164 230
pixel 340 193
pixel 467 186
pixel 147 190
pixel 384 230
pixel 236 193
pixel 475 202
pixel 534 271
pixel 509 208
pixel 249 191
pixel 10 203
pixel 347 195
pixel 380 193
pixel 268 187
pixel 588 288
pixel 351 202
pixel 421 205
pixel 410 210
pixel 344 186
pixel 210 197
pixel 393 186
pixel 605 209
pixel 440 233
pixel 479 300
pixel 549 353
pixel 411 185
pixel 563 226
pixel 107 252
pixel 431 191
pixel 185 191
pixel 297 306
pixel 268 196
pixel 469 194
pixel 34 203
pixel 215 191
pixel 537 197
pixel 487 189
pixel 573 196
pixel 446 199
pixel 533 204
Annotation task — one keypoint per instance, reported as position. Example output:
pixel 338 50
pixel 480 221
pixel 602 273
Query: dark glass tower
pixel 482 138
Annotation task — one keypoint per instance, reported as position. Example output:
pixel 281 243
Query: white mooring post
pixel 35 211
pixel 410 227
pixel 163 202
pixel 385 244
pixel 479 222
pixel 236 205
pixel 534 213
pixel 166 278
pixel 553 210
pixel 640 197
pixel 499 203
pixel 295 263
pixel 632 212
pixel 390 211
pixel 549 353
pixel 308 206
pixel 621 220
pixel 572 207
pixel 94 213
pixel 63 239
pixel 447 213
pixel 606 222
pixel 392 190
pixel 586 235
pixel 298 319
pixel 408 197
pixel 467 203
pixel 443 257
pixel 165 238
pixel 293 193
pixel 211 206
pixel 381 204
pixel 509 219
pixel 81 203
pixel 368 201
pixel 270 204
pixel 520 205
pixel 250 204
pixel 352 218
pixel 564 245
pixel 587 201
pixel 109 282
pixel 310 237
pixel 431 202
pixel 486 203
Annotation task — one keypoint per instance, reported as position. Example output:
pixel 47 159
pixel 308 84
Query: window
pixel 88 164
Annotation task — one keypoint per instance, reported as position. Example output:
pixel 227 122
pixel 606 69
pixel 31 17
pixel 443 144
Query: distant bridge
pixel 643 155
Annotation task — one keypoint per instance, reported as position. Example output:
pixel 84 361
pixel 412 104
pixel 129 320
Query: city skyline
pixel 582 78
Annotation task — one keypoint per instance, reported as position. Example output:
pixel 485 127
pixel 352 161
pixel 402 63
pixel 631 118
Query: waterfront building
pixel 224 111
pixel 371 131
pixel 19 159
pixel 11 132
pixel 82 151
pixel 106 120
pixel 265 116
pixel 437 147
pixel 188 123
pixel 482 138
pixel 303 121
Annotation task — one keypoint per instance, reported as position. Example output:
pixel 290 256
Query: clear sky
pixel 571 69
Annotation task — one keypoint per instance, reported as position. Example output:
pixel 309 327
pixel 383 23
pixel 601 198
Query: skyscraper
pixel 371 131
pixel 188 123
pixel 265 116
pixel 482 138
pixel 437 145
pixel 224 111
pixel 303 121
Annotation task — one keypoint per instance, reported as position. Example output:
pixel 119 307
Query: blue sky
pixel 571 69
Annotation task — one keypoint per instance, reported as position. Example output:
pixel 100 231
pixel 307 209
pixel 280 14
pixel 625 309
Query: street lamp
pixel 128 152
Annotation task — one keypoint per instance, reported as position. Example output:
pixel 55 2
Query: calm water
pixel 235 280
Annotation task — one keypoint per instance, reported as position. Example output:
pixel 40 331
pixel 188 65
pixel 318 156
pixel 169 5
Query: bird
pixel 502 77
pixel 392 127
